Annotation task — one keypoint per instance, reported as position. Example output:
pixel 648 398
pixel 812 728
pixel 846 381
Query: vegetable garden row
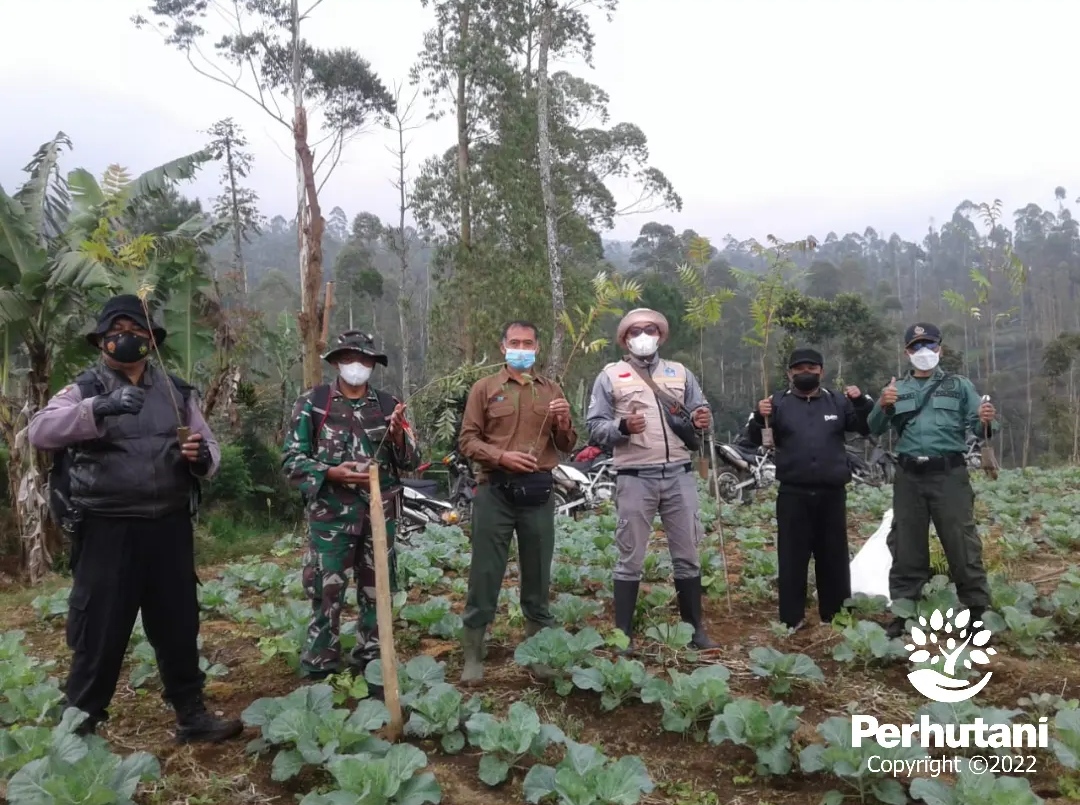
pixel 766 719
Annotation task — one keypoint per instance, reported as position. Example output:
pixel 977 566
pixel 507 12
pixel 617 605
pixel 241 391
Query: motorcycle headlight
pixel 446 460
pixel 450 518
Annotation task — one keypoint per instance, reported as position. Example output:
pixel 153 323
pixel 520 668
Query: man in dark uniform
pixel 809 423
pixel 131 491
pixel 931 412
pixel 337 432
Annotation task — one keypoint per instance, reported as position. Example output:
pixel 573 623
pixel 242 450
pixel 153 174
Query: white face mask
pixel 925 359
pixel 643 345
pixel 355 374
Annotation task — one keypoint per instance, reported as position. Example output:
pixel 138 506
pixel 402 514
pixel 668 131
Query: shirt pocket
pixel 497 413
pixel 946 411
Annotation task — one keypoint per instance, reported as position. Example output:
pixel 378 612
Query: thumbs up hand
pixel 889 395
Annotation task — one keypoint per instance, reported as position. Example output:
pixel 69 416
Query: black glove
pixel 201 464
pixel 126 400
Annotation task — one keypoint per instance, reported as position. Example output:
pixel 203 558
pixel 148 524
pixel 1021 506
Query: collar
pixel 335 391
pixel 938 372
pixel 646 363
pixel 504 377
pixel 146 380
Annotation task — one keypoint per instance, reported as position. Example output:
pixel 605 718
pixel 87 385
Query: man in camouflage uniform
pixel 335 432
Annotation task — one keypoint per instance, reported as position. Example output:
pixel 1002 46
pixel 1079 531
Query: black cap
pixel 124 306
pixel 805 355
pixel 355 341
pixel 922 332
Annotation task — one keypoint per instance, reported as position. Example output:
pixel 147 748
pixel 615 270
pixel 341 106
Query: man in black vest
pixel 132 486
pixel 809 423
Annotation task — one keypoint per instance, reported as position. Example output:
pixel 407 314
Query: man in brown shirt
pixel 515 425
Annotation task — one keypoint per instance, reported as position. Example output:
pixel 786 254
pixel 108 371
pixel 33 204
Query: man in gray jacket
pixel 132 481
pixel 653 464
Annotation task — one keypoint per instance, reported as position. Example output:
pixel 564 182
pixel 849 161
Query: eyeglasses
pixel 931 345
pixel 648 329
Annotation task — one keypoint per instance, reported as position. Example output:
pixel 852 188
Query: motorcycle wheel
pixel 560 501
pixel 888 471
pixel 727 483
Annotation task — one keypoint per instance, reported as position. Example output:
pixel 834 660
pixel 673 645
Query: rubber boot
pixel 626 593
pixel 689 594
pixel 533 628
pixel 896 628
pixel 472 646
pixel 195 724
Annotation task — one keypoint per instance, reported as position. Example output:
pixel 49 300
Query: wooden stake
pixel 328 304
pixel 384 607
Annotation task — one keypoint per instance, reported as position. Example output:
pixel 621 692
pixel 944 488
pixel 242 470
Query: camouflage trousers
pixel 331 558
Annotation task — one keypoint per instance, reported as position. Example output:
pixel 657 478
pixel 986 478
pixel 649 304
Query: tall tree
pixel 398 237
pixel 263 56
pixel 237 205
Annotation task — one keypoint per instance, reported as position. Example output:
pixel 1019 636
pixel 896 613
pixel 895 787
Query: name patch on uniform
pixel 830 417
pixel 954 394
pixel 669 372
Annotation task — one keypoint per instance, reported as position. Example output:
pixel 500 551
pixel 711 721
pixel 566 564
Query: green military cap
pixel 355 341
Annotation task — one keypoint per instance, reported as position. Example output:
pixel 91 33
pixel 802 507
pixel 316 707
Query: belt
pixel 663 473
pixel 931 463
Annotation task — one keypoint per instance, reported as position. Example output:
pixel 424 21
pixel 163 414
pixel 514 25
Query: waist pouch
pixel 528 489
pixel 682 425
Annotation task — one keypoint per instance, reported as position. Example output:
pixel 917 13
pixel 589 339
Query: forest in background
pixel 508 222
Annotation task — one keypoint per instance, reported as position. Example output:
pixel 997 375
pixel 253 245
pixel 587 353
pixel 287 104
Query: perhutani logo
pixel 942 641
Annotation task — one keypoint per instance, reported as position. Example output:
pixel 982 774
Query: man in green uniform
pixel 336 432
pixel 931 411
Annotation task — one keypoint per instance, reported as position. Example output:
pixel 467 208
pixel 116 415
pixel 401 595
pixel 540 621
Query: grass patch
pixel 221 536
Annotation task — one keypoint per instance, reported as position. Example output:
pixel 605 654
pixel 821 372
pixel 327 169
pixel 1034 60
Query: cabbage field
pixel 764 720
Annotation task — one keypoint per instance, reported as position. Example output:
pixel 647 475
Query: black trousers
pixel 812 522
pixel 124 565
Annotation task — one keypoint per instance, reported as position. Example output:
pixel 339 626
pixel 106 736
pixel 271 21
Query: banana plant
pixel 49 279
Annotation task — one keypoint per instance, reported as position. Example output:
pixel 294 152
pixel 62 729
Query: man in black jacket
pixel 808 424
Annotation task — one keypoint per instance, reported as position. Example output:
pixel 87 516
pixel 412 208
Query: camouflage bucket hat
pixel 355 341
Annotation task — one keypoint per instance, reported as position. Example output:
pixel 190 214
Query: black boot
pixel 626 593
pixel 195 724
pixel 689 593
pixel 976 614
pixel 896 628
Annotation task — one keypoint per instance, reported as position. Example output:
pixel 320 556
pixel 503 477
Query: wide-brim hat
pixel 355 341
pixel 124 306
pixel 640 316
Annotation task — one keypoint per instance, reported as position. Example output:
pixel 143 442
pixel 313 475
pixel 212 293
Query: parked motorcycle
pixel 462 484
pixel 973 456
pixel 421 505
pixel 744 469
pixel 584 485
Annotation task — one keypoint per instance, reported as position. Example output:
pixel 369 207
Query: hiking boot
pixel 472 646
pixel 896 628
pixel 626 593
pixel 689 594
pixel 195 724
pixel 533 628
pixel 976 614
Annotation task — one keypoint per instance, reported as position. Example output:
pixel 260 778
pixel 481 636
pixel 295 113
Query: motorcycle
pixel 422 507
pixel 973 455
pixel 462 483
pixel 879 470
pixel 746 468
pixel 584 484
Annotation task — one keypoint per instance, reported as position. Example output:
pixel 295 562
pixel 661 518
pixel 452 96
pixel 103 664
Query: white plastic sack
pixel 870 567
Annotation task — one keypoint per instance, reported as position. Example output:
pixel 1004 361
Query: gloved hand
pixel 126 400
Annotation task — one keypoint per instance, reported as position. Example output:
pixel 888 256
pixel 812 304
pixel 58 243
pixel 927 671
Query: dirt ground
pixel 686 772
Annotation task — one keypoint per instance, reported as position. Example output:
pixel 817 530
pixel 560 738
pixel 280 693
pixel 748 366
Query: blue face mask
pixel 520 359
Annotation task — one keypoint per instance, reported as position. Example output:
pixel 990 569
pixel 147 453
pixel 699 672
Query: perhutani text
pixel 927 735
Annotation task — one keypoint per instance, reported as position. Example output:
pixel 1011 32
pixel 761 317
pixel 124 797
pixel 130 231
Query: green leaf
pixel 493 770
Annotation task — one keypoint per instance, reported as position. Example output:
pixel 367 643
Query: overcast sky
pixel 791 117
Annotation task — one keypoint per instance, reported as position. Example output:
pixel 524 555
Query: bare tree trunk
pixel 399 242
pixel 1027 385
pixel 558 300
pixel 464 261
pixel 238 246
pixel 309 220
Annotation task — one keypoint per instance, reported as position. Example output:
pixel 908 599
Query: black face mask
pixel 806 381
pixel 126 347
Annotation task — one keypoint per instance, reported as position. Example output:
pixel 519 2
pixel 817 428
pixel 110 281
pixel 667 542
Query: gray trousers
pixel 638 498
